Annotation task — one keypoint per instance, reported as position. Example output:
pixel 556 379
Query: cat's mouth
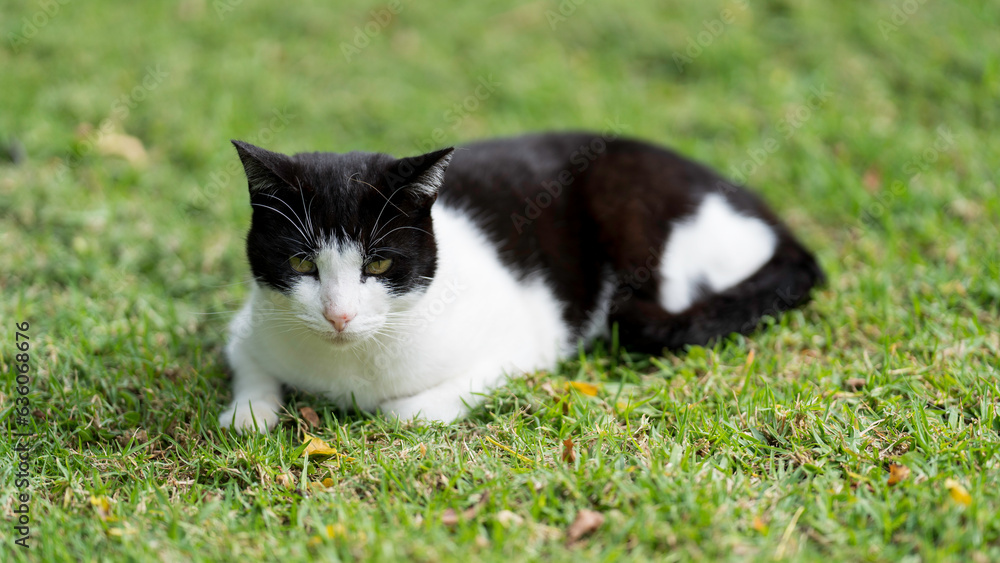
pixel 346 338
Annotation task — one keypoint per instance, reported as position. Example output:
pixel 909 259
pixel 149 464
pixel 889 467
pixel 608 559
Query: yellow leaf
pixel 317 448
pixel 898 473
pixel 585 388
pixel 328 482
pixel 958 492
pixel 334 530
pixel 509 450
pixel 749 361
pixel 103 508
pixel 314 541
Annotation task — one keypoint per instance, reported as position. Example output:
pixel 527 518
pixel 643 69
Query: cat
pixel 413 286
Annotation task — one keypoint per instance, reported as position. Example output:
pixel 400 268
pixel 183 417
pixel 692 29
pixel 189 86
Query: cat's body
pixel 499 263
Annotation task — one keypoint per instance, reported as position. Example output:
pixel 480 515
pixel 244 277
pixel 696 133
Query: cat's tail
pixel 783 283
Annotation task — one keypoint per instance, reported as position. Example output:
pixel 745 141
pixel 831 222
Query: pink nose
pixel 339 320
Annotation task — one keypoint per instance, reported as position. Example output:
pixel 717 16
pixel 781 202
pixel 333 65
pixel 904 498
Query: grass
pixel 121 219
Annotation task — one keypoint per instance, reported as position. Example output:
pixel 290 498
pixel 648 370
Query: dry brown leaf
pixel 508 518
pixel 567 454
pixel 586 522
pixel 449 517
pixel 958 493
pixel 549 390
pixel 856 383
pixel 122 145
pixel 585 388
pixel 471 512
pixel 286 480
pixel 310 415
pixel 898 474
pixel 872 179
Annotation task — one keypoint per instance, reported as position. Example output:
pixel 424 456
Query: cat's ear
pixel 265 170
pixel 421 176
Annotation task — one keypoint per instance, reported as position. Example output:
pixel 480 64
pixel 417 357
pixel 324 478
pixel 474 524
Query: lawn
pixel 865 426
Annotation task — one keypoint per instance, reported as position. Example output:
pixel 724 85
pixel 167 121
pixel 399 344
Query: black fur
pixel 576 207
pixel 370 199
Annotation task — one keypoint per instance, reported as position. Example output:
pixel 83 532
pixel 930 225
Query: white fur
pixel 716 246
pixel 426 354
pixel 598 323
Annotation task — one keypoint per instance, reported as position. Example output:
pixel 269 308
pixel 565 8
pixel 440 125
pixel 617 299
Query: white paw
pixel 424 408
pixel 259 415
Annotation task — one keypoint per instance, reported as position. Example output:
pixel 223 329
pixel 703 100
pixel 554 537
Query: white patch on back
pixel 716 246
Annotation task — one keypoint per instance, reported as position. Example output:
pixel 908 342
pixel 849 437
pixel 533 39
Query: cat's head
pixel 345 241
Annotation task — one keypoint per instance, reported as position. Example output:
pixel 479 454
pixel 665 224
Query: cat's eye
pixel 302 265
pixel 378 267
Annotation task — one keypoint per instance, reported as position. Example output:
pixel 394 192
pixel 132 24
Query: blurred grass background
pixel 122 211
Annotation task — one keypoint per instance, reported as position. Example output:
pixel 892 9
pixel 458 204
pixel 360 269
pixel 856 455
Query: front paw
pixel 259 415
pixel 418 407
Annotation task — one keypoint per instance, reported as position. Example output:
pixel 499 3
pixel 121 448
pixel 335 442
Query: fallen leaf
pixel 585 388
pixel 749 362
pixel 898 473
pixel 449 517
pixel 471 512
pixel 586 522
pixel 103 508
pixel 318 450
pixel 310 415
pixel 958 492
pixel 122 145
pixel 872 179
pixel 966 209
pixel 506 518
pixel 856 383
pixel 286 480
pixel 567 455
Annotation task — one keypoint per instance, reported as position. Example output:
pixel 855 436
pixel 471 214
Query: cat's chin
pixel 345 339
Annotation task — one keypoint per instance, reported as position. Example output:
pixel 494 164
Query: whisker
pixel 309 223
pixel 352 178
pixel 304 236
pixel 295 213
pixel 399 229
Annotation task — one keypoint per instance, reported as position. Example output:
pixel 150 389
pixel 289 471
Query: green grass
pixel 127 270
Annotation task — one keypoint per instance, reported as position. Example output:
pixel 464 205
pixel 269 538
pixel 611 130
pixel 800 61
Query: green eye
pixel 302 266
pixel 378 267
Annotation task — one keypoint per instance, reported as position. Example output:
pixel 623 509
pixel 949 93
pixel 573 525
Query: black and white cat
pixel 412 286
